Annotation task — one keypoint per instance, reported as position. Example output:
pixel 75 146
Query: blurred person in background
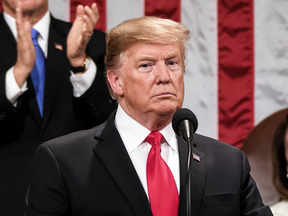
pixel 50 85
pixel 280 168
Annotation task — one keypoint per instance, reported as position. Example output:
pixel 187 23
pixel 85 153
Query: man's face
pixel 28 6
pixel 151 80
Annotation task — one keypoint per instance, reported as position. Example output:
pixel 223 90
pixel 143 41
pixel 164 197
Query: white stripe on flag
pixel 60 9
pixel 119 11
pixel 201 95
pixel 271 57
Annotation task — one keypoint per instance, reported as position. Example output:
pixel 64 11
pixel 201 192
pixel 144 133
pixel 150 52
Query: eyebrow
pixel 147 58
pixel 173 55
pixel 151 58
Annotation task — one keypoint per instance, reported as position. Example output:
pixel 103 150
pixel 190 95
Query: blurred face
pixel 28 6
pixel 150 80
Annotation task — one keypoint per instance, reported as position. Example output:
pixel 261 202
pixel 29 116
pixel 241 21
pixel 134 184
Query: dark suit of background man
pixel 102 171
pixel 69 105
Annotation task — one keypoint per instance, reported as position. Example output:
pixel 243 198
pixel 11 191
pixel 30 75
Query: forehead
pixel 142 51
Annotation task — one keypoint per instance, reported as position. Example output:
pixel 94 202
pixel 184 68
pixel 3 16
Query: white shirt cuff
pixel 81 83
pixel 11 87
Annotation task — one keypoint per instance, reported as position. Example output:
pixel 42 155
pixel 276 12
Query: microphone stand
pixel 187 135
pixel 188 179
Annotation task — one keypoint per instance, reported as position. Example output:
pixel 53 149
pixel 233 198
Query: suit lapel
pixel 114 155
pixel 112 152
pixel 56 67
pixel 198 174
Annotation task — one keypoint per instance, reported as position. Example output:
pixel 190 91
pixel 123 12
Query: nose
pixel 162 73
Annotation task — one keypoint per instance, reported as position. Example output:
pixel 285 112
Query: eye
pixel 145 67
pixel 172 64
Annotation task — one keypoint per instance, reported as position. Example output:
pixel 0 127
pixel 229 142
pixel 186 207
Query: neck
pixel 157 123
pixel 152 121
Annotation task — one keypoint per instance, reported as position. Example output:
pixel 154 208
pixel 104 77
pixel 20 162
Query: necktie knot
pixel 154 138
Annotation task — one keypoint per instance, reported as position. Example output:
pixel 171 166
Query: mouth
pixel 164 95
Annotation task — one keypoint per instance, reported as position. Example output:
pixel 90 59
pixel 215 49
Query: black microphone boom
pixel 184 123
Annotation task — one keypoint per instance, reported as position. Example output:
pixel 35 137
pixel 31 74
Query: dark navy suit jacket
pixel 90 173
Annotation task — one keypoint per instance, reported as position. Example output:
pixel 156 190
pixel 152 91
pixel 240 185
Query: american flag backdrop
pixel 237 59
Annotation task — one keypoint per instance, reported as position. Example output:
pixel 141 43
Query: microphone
pixel 184 123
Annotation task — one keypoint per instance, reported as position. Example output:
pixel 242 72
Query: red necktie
pixel 162 190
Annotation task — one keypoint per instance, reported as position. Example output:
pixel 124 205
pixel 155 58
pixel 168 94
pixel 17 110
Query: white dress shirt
pixel 133 135
pixel 81 83
pixel 280 208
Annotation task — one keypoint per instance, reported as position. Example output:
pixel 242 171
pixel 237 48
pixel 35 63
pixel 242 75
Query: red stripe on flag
pixel 163 8
pixel 101 4
pixel 236 70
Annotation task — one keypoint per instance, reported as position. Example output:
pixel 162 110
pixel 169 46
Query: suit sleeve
pixel 251 201
pixel 96 102
pixel 46 195
pixel 8 58
pixel 6 107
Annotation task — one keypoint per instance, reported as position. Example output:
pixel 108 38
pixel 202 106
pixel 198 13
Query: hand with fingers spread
pixel 80 33
pixel 25 49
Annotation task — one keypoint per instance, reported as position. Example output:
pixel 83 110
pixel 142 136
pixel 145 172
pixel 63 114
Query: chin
pixel 30 7
pixel 168 110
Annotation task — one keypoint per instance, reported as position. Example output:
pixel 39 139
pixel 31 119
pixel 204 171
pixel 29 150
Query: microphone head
pixel 184 114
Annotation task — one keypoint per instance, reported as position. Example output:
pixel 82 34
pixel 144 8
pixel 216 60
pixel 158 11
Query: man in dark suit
pixel 76 95
pixel 117 168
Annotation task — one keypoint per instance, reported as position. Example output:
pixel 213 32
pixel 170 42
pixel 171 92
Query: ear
pixel 114 79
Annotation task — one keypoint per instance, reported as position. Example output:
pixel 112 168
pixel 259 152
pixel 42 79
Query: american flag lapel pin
pixel 196 157
pixel 58 46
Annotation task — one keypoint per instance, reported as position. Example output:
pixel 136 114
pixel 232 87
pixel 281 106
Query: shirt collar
pixel 280 208
pixel 42 26
pixel 133 133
